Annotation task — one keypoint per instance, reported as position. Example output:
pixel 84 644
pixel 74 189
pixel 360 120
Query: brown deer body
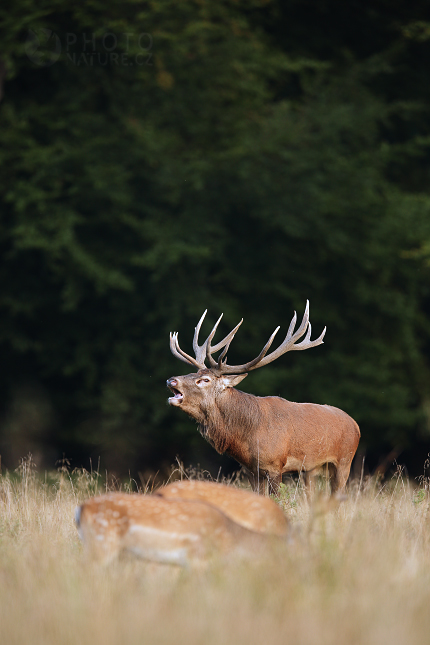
pixel 184 532
pixel 268 435
pixel 256 513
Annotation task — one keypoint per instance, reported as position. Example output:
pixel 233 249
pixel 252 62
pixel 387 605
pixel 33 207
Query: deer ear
pixel 230 380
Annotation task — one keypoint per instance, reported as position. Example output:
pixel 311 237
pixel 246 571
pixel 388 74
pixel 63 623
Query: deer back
pixel 184 532
pixel 254 512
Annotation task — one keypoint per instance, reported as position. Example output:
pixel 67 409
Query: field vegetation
pixel 355 571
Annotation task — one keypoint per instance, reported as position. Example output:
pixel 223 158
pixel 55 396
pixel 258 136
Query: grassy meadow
pixel 354 572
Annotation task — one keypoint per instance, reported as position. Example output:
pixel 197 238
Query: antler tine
pixel 201 351
pixel 228 338
pixel 303 325
pixel 225 342
pixel 177 351
pixel 206 347
pixel 196 347
pixel 292 325
pixel 288 343
pixel 241 369
pixel 206 350
pixel 286 346
pixel 307 343
pixel 223 353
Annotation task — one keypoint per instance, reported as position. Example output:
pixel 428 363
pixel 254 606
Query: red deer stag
pixel 268 435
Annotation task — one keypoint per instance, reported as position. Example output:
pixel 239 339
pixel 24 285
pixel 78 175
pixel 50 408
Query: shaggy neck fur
pixel 232 418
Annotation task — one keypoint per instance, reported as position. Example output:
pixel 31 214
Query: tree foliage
pixel 236 156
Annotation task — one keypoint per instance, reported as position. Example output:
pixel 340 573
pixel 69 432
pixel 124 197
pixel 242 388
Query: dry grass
pixel 355 573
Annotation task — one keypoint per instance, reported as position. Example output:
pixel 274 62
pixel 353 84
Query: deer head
pixel 195 393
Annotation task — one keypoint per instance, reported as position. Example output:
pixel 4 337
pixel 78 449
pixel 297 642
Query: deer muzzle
pixel 177 397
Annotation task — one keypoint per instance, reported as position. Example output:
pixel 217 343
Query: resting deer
pixel 185 532
pixel 256 513
pixel 268 435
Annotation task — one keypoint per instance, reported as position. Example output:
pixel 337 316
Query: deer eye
pixel 203 380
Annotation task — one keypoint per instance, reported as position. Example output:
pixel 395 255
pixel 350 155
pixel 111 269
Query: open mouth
pixel 177 397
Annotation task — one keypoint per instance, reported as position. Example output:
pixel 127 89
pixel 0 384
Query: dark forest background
pixel 161 158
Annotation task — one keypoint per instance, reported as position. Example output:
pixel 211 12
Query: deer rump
pixel 268 435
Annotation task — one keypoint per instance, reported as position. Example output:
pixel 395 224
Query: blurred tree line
pixel 158 158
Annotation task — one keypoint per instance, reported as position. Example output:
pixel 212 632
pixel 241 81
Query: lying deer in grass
pixel 185 532
pixel 268 435
pixel 254 512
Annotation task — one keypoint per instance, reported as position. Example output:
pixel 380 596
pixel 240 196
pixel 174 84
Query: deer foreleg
pixel 309 482
pixel 273 481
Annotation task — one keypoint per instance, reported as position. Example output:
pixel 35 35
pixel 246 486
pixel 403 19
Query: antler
pixel 288 345
pixel 202 351
pixel 220 367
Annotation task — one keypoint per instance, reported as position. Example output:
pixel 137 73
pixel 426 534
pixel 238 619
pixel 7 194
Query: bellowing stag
pixel 268 435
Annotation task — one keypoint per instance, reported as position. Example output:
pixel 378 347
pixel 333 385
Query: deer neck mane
pixel 232 417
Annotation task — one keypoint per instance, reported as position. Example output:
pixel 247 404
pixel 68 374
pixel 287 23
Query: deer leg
pixel 273 482
pixel 339 480
pixel 255 479
pixel 264 487
pixel 330 471
pixel 266 483
pixel 259 482
pixel 309 477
